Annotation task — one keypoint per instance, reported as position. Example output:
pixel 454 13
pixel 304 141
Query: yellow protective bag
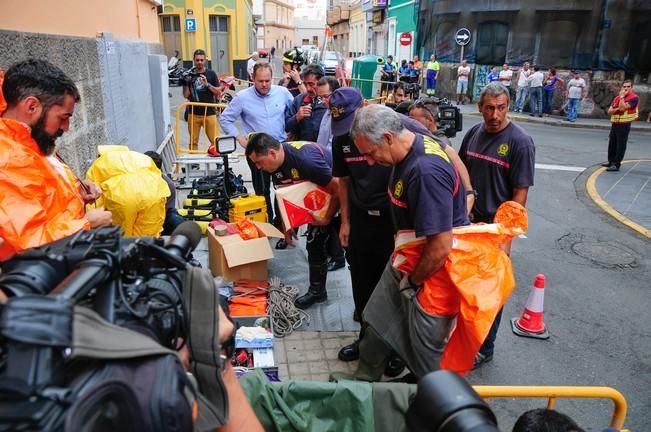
pixel 132 189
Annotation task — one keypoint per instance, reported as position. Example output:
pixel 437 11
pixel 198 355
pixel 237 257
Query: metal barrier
pixel 219 107
pixel 554 392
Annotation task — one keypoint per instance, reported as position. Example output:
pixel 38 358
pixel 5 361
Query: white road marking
pixel 560 168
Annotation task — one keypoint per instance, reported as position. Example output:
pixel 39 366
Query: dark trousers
pixel 172 220
pixel 369 247
pixel 262 187
pixel 617 142
pixel 335 251
pixel 317 241
pixel 488 346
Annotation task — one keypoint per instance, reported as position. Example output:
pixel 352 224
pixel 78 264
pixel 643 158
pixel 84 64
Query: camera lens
pixel 445 402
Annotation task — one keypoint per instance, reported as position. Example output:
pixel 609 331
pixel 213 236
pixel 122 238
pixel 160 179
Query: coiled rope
pixel 285 317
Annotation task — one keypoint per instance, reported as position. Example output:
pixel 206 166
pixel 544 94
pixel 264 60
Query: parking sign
pixel 190 24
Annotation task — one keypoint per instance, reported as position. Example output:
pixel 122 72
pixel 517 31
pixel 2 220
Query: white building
pixel 309 22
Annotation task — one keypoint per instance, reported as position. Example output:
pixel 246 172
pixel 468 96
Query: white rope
pixel 285 317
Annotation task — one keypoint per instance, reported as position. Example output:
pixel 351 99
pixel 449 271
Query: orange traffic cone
pixel 531 323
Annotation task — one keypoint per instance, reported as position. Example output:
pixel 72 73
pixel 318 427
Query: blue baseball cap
pixel 343 103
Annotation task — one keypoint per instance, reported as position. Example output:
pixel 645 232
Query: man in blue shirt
pixel 388 73
pixel 261 108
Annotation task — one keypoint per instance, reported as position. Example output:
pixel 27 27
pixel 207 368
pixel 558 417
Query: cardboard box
pixel 234 258
pixel 299 201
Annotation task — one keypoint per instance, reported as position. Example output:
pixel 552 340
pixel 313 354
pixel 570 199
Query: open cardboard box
pixel 234 258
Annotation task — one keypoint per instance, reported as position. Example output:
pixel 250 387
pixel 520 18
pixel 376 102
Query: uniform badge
pixel 398 188
pixel 295 174
pixel 503 149
pixel 346 149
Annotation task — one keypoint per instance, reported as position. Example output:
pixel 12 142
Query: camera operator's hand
pixel 303 112
pixel 99 217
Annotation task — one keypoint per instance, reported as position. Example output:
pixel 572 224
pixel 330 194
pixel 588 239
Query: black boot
pixel 317 292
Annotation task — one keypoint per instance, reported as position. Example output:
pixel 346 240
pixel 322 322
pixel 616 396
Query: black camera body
pixel 89 333
pixel 450 119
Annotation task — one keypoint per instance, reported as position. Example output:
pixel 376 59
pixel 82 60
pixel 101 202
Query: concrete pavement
pixel 597 269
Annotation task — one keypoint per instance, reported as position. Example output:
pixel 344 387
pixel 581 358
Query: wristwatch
pixel 471 192
pixel 299 83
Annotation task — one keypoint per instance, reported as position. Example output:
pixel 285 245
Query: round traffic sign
pixel 462 37
pixel 405 38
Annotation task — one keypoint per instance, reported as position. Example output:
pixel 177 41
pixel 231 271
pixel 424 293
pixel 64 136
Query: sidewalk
pixel 554 120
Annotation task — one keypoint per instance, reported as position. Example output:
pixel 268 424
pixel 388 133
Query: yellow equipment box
pixel 253 206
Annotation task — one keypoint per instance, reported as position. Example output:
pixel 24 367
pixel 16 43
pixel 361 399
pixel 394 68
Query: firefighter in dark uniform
pixel 288 163
pixel 367 229
pixel 293 59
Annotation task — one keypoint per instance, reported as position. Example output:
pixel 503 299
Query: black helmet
pixel 294 56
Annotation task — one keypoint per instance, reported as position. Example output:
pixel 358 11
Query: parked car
pixel 331 61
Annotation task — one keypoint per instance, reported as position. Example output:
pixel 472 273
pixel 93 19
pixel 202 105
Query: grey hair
pixel 374 121
pixel 493 90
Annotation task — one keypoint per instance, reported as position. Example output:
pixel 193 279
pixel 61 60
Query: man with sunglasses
pixel 623 111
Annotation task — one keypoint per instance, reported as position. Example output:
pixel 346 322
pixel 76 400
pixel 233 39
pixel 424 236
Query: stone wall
pixel 113 78
pixel 77 57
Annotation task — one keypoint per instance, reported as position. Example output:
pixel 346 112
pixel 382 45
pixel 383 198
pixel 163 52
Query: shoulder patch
pixel 297 144
pixel 433 148
pixel 295 174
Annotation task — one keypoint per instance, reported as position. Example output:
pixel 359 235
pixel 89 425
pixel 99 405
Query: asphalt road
pixel 596 299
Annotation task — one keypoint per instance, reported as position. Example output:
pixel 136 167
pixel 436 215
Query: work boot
pixel 349 352
pixel 336 264
pixel 317 292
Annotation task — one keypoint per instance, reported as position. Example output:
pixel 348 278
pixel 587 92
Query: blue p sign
pixel 190 24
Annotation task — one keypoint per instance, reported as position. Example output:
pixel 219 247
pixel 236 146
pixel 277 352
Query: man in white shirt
pixel 535 81
pixel 506 75
pixel 575 92
pixel 462 82
pixel 523 87
pixel 250 63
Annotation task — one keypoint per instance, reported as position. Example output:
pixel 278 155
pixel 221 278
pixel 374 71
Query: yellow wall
pixel 126 19
pixel 240 32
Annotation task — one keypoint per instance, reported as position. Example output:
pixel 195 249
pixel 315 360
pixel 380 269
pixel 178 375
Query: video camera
pixel 450 119
pixel 445 402
pixel 125 296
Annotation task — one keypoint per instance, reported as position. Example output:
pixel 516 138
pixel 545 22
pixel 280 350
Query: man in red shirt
pixel 623 111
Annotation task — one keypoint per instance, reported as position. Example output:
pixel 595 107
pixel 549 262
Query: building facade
pixel 376 27
pixel 401 19
pixel 224 29
pixel 338 18
pixel 112 50
pixel 607 40
pixel 310 22
pixel 358 39
pixel 275 25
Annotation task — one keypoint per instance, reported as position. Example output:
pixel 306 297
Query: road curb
pixel 591 189
pixel 563 123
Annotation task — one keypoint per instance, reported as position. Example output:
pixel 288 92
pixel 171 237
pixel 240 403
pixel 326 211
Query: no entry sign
pixel 405 38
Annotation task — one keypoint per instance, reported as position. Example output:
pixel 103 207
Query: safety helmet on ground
pixel 294 56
